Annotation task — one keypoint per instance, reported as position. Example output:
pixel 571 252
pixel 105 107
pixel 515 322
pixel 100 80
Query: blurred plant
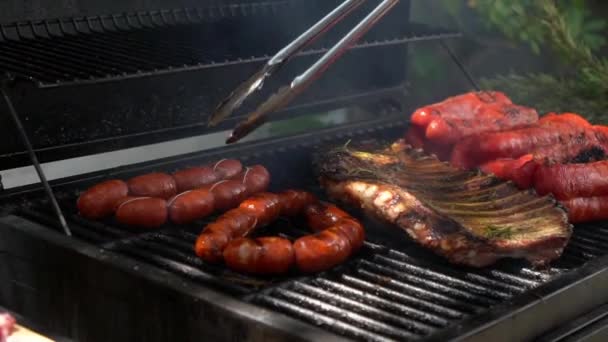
pixel 534 21
pixel 569 30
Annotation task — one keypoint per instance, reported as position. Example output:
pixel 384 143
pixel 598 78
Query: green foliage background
pixel 571 33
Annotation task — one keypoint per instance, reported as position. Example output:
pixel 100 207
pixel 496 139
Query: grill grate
pixel 108 48
pixel 392 290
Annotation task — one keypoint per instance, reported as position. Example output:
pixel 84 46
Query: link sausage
pixel 194 177
pixel 152 185
pixel 228 194
pixel 146 212
pixel 227 168
pixel 191 205
pixel 100 200
pixel 255 178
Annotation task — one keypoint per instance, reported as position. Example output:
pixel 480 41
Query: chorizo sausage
pixel 341 236
pixel 321 251
pixel 152 185
pixel 227 168
pixel 191 205
pixel 294 201
pixel 520 171
pixel 319 217
pixel 265 206
pixel 255 178
pixel 566 181
pixel 227 194
pixel 264 255
pixel 462 106
pixel 100 200
pixel 194 177
pixel 585 209
pixel 478 149
pixel 338 237
pixel 252 213
pixel 146 212
pixel 212 241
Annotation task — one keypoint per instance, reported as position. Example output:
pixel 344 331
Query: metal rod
pixel 238 96
pixel 301 82
pixel 460 65
pixel 28 145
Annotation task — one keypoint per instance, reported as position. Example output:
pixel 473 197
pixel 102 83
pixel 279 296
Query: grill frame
pixel 156 95
pixel 579 288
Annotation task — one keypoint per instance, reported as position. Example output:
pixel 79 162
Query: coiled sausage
pixel 338 236
pixel 263 255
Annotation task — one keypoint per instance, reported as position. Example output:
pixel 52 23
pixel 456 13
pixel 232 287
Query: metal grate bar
pixel 417 316
pixel 42 62
pixel 425 284
pixel 591 242
pixel 331 310
pixel 143 19
pixel 515 280
pixel 361 308
pixel 586 251
pixel 114 60
pixel 402 297
pixel 95 53
pixel 149 252
pixel 593 237
pixel 468 286
pixel 77 231
pixel 24 68
pixel 320 319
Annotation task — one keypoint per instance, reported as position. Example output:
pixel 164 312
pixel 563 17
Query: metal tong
pixel 287 93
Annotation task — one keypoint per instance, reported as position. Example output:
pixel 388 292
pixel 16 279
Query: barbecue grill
pixel 85 80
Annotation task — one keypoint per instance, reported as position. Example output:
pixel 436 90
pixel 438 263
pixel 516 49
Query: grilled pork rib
pixel 469 218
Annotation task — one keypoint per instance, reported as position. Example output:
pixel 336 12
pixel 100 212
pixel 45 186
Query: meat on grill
pixel 337 236
pixel 100 200
pixel 449 121
pixel 583 149
pixel 584 209
pixel 191 205
pixel 563 155
pixel 484 147
pixel 469 218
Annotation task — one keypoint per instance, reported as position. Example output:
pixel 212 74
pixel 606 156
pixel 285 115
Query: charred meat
pixel 468 217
